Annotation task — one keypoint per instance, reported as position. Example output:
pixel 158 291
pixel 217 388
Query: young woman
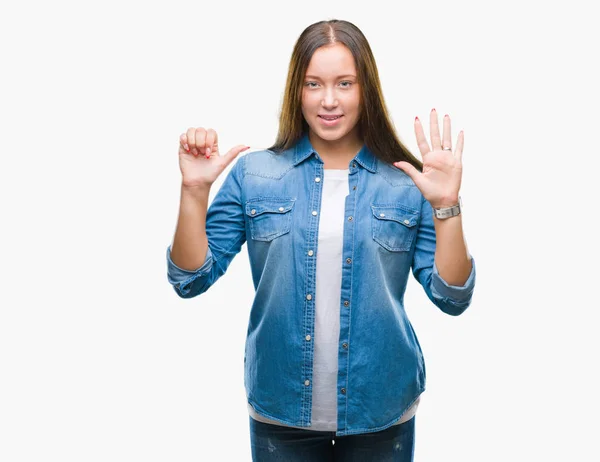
pixel 335 214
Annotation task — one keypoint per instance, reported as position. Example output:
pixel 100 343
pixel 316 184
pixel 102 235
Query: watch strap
pixel 447 212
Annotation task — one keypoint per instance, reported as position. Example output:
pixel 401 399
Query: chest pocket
pixel 269 217
pixel 394 226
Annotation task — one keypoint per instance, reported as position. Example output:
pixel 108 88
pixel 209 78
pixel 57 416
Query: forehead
pixel 331 61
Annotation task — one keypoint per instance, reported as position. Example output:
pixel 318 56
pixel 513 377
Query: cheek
pixel 308 102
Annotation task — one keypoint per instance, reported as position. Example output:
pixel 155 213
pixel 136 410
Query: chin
pixel 330 135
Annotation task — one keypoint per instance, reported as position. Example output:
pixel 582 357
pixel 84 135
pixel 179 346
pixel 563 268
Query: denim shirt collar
pixel 304 149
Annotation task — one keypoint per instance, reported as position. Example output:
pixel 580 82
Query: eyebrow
pixel 338 77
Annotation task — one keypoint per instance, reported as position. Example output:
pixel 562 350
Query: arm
pixel 190 244
pixel 452 258
pixel 453 291
pixel 206 241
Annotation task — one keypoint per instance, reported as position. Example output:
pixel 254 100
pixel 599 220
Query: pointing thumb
pixel 233 153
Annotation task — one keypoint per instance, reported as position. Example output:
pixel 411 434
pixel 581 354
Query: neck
pixel 336 154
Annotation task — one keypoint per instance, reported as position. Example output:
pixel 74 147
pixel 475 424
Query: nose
pixel 329 100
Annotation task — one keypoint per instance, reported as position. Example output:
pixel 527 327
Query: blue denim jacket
pixel 272 202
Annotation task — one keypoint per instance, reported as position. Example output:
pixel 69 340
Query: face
pixel 331 95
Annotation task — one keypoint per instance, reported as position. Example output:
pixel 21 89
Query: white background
pixel 99 358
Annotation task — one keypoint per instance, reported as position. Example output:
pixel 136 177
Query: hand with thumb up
pixel 199 159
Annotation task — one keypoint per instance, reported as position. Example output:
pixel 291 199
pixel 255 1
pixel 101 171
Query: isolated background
pixel 99 358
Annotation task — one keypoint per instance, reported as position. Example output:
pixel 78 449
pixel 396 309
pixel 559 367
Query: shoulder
pixel 393 175
pixel 266 163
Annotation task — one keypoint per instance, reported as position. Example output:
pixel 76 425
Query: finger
pixel 211 142
pixel 191 138
pixel 233 153
pixel 201 140
pixel 459 146
pixel 434 128
pixel 447 140
pixel 183 142
pixel 421 140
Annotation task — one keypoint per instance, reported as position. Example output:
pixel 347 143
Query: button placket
pixel 347 275
pixel 315 205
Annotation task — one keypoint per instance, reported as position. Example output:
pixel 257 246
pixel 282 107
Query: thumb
pixel 408 169
pixel 233 153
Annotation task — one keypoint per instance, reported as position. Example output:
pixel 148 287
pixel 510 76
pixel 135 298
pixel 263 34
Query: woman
pixel 335 214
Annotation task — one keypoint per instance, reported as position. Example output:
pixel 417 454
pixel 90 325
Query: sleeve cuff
pixel 441 289
pixel 181 277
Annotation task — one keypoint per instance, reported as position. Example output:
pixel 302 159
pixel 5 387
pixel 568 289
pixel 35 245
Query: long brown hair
pixel 375 126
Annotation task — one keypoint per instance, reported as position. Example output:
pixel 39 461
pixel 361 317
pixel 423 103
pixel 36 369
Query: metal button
pixel 346 303
pixel 406 222
pixel 354 164
pixel 348 260
pixel 382 215
pixel 309 297
pixel 281 209
pixel 308 337
pixel 343 391
pixel 314 212
pixel 307 382
pixel 345 345
pixel 310 253
pixel 349 218
pixel 353 187
pixel 252 212
pixel 317 179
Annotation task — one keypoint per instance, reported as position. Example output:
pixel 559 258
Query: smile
pixel 329 121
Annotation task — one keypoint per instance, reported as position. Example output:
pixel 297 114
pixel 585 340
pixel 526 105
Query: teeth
pixel 331 118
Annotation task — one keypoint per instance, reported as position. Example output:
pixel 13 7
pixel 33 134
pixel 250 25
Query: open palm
pixel 442 169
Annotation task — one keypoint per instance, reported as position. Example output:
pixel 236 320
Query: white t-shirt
pixel 327 307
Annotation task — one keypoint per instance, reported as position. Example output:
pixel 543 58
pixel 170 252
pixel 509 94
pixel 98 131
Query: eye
pixel 308 84
pixel 346 81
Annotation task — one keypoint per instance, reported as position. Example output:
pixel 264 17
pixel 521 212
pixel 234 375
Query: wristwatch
pixel 447 212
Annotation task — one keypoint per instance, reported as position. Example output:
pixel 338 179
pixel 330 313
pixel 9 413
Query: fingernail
pixel 433 110
pixel 187 148
pixel 416 118
pixel 446 115
pixel 208 151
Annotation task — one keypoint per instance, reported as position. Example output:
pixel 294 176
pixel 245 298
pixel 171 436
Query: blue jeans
pixel 280 443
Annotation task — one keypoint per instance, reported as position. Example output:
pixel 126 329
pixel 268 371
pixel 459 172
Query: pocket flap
pixel 397 213
pixel 255 207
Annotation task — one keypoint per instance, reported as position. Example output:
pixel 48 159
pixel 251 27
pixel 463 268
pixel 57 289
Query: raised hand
pixel 442 169
pixel 199 159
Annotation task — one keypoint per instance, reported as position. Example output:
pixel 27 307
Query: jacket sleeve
pixel 452 300
pixel 226 233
